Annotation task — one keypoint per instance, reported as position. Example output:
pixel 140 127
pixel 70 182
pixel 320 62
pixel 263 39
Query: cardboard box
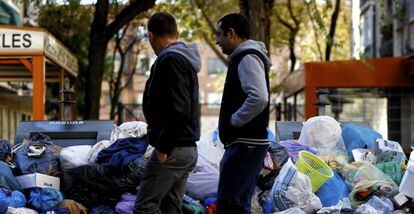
pixel 38 180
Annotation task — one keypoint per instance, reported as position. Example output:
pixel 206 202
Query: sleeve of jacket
pixel 251 72
pixel 175 98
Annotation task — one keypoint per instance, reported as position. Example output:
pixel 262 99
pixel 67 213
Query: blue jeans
pixel 239 170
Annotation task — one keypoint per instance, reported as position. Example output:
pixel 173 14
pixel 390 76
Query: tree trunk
pixel 292 37
pixel 100 35
pixel 97 52
pixel 331 36
pixel 258 13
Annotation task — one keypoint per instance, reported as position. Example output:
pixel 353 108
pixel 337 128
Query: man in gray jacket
pixel 244 114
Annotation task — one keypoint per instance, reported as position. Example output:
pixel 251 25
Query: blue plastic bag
pixel 7 179
pixel 332 191
pixel 10 198
pixel 358 137
pixel 46 162
pixel 5 150
pixel 45 199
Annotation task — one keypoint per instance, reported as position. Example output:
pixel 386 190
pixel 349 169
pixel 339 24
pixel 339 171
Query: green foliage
pixel 70 24
pixel 189 13
pixel 313 34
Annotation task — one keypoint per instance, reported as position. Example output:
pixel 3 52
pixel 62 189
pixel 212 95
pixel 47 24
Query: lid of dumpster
pixel 290 130
pixel 67 133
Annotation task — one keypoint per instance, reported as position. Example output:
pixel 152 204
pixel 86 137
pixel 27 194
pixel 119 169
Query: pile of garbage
pixel 334 170
pixel 329 169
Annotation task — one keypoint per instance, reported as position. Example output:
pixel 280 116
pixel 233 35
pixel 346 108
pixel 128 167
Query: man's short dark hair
pixel 238 22
pixel 162 24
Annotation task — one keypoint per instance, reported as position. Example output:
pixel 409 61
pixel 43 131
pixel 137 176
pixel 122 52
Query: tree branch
pixel 127 14
pixel 289 6
pixel 332 28
pixel 206 18
pixel 315 32
pixel 283 22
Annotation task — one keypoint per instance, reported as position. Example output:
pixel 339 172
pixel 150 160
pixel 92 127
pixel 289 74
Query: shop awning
pixel 33 54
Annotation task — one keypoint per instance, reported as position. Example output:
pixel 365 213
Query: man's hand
pixel 161 156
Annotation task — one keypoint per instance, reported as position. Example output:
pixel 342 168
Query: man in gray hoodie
pixel 244 114
pixel 171 109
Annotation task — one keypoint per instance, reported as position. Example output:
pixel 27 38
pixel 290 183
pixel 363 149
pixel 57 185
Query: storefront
pixel 33 56
pixel 378 91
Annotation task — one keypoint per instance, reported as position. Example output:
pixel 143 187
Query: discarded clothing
pixel 117 156
pixel 294 148
pixel 126 205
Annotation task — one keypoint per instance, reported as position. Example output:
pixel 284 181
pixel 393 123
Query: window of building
pixel 214 100
pixel 366 33
pixel 144 64
pixel 411 12
pixel 139 98
pixel 215 66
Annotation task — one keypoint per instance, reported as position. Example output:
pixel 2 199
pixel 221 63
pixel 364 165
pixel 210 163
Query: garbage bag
pixel 293 210
pixel 293 189
pixel 73 207
pixel 74 156
pixel 367 180
pixel 332 191
pixel 7 179
pixel 98 147
pixel 334 209
pixel 45 199
pixel 126 205
pixel 90 185
pixel 358 137
pixel 10 198
pixel 322 134
pixel 387 150
pixel 191 206
pixel 210 147
pixel 294 148
pixel 38 155
pixel 5 150
pixel 102 209
pixel 21 210
pixel 124 150
pixel 135 129
pixel 377 205
pixel 277 156
pixel 391 169
pixel 203 180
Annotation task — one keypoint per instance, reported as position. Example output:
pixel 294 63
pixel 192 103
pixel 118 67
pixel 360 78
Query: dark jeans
pixel 239 169
pixel 162 186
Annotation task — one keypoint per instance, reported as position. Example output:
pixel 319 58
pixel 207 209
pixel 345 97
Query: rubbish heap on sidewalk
pixel 329 169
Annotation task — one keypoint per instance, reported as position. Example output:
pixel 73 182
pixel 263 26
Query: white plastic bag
pixel 101 145
pixel 203 181
pixel 74 156
pixel 134 129
pixel 293 210
pixel 293 189
pixel 21 210
pixel 211 148
pixel 323 134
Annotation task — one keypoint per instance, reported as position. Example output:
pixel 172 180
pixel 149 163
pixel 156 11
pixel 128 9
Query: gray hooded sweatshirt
pixel 188 51
pixel 253 81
